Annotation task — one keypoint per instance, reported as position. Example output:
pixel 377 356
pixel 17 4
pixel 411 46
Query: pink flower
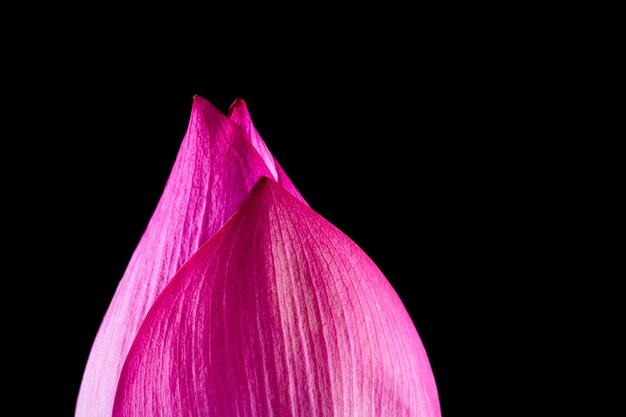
pixel 242 301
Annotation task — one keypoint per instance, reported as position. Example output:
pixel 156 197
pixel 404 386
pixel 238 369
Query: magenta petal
pixel 282 315
pixel 214 173
pixel 238 113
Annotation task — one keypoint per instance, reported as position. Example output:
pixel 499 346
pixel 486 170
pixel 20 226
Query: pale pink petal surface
pixel 280 314
pixel 215 170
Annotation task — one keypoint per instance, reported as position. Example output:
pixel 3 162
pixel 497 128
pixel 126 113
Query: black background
pixel 448 150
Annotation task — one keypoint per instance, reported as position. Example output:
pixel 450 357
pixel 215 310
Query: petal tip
pixel 200 103
pixel 265 184
pixel 238 105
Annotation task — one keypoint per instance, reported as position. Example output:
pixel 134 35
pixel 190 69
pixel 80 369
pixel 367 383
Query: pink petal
pixel 238 113
pixel 215 171
pixel 280 314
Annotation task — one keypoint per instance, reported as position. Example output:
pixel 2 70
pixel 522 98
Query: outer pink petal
pixel 215 171
pixel 280 314
pixel 238 112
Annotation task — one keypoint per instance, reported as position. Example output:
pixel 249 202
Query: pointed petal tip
pixel 201 103
pixel 238 105
pixel 266 181
pixel 198 99
pixel 203 109
pixel 265 191
pixel 265 185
